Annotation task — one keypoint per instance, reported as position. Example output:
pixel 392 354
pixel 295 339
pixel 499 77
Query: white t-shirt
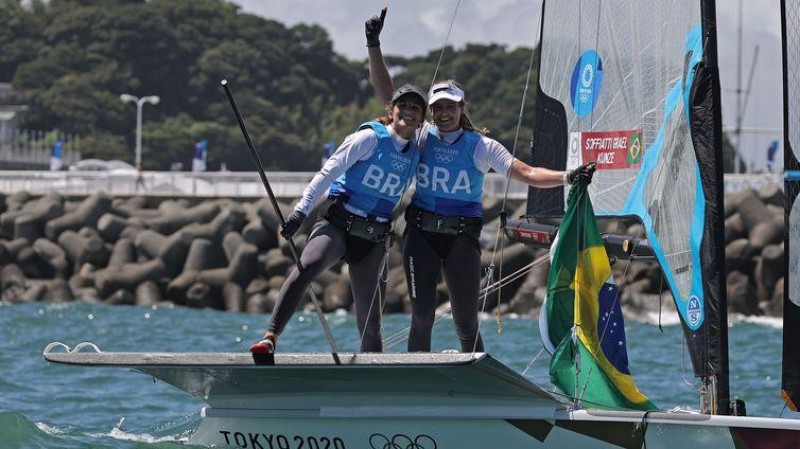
pixel 489 153
pixel 359 146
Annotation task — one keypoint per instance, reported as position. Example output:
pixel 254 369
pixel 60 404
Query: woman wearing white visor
pixel 445 215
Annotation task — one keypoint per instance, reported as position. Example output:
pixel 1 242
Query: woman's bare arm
pixel 539 177
pixel 379 75
pixel 378 72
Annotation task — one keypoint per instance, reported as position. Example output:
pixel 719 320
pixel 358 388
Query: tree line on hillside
pixel 71 60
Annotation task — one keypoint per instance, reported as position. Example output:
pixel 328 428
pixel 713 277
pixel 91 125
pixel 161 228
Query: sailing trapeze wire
pixel 507 181
pixel 444 45
pixel 396 338
pixel 445 311
pixel 383 274
pixel 490 288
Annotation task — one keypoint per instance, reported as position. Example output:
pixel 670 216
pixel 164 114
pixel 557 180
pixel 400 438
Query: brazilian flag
pixel 582 319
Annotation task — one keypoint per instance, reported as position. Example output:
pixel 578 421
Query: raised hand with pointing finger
pixel 373 28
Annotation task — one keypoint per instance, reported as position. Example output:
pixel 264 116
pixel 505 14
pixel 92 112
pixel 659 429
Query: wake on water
pixel 19 432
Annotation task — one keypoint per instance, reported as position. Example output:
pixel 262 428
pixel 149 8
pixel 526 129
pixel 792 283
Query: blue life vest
pixel 376 184
pixel 448 183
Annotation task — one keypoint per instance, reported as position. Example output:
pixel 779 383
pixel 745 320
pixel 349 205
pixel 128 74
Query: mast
pixel 707 136
pixel 738 160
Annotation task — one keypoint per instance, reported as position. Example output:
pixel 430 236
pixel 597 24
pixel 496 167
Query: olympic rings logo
pixel 399 166
pixel 400 441
pixel 444 158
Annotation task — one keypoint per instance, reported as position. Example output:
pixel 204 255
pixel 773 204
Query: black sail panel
pixel 549 134
pixel 790 383
pixel 707 138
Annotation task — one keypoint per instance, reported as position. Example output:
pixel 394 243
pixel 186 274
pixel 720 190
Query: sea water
pixel 44 405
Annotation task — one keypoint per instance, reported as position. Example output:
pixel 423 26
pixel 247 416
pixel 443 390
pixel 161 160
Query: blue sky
pixel 513 23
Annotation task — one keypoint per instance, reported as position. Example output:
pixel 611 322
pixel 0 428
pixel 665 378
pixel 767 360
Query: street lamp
pixel 152 99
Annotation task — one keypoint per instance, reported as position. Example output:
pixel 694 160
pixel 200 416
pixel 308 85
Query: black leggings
pixel 425 255
pixel 326 246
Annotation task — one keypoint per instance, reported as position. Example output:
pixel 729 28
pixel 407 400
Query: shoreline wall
pixel 227 254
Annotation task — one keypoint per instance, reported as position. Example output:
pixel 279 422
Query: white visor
pixel 446 91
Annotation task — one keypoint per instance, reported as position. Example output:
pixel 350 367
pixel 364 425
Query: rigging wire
pixel 383 272
pixel 383 276
pixel 446 40
pixel 683 362
pixel 533 360
pixel 660 301
pixel 396 338
pixel 490 288
pixel 445 311
pixel 499 231
pixel 591 126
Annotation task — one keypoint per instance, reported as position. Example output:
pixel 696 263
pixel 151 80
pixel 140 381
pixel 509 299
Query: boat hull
pixel 577 430
pixel 414 401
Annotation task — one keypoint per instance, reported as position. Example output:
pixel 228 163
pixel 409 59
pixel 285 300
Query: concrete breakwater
pixel 228 255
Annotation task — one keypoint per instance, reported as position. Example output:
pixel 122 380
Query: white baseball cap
pixel 446 91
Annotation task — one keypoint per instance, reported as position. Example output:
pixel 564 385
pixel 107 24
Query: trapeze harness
pixel 449 187
pixel 372 187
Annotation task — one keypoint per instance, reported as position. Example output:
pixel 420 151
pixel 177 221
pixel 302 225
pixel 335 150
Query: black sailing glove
pixel 373 28
pixel 583 173
pixel 293 222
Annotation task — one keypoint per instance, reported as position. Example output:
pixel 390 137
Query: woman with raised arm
pixel 367 175
pixel 444 218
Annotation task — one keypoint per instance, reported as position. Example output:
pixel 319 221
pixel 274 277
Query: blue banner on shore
pixel 57 158
pixel 200 156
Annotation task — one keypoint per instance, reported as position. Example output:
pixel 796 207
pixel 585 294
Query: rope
pixel 383 273
pixel 490 270
pixel 378 293
pixel 660 302
pixel 486 279
pixel 497 239
pixel 535 358
pixel 402 335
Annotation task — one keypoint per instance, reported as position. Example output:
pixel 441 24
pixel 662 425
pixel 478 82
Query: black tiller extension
pixel 295 254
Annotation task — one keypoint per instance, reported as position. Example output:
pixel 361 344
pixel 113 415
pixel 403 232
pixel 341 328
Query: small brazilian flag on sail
pixel 581 322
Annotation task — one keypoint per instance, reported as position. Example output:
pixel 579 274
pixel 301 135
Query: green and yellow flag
pixel 583 321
